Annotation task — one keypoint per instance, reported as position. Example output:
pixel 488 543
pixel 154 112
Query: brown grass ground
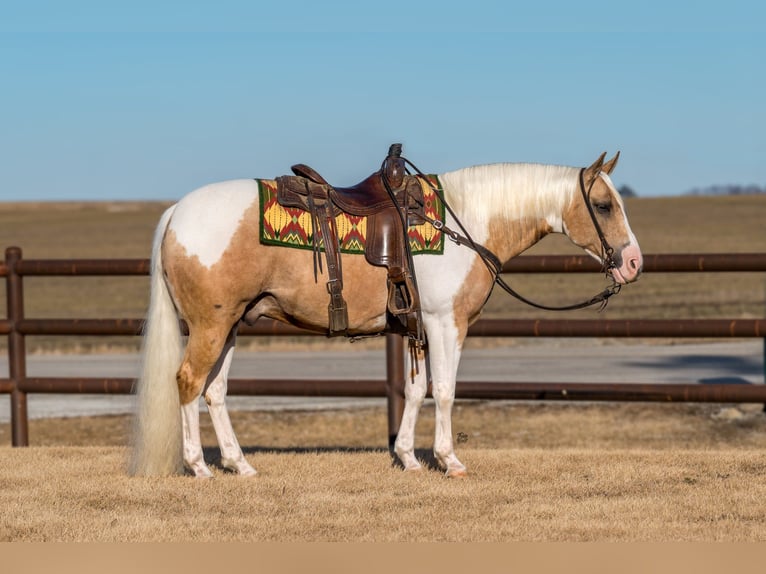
pixel 538 472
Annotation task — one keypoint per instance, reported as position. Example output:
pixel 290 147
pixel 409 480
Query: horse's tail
pixel 157 435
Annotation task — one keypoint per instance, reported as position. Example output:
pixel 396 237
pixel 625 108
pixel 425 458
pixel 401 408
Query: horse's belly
pixel 292 295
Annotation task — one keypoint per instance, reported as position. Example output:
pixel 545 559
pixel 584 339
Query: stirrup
pixel 402 296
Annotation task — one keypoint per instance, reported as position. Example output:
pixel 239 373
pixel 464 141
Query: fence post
pixel 394 384
pixel 17 354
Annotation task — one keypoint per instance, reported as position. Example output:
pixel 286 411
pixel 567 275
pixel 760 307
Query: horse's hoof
pixel 413 468
pixel 456 472
pixel 240 467
pixel 198 470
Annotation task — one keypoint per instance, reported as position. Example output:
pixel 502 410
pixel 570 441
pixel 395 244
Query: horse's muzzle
pixel 630 263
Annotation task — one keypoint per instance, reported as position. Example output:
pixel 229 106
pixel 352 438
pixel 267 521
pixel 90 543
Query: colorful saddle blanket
pixel 291 227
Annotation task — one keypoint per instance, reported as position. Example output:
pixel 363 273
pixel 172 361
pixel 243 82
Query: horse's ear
pixel 592 172
pixel 609 166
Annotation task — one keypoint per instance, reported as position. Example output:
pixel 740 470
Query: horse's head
pixel 596 221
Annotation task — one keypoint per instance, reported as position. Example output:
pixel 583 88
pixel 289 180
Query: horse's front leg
pixel 444 398
pixel 415 385
pixel 445 356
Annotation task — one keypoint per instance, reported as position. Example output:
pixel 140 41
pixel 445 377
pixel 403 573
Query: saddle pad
pixel 291 227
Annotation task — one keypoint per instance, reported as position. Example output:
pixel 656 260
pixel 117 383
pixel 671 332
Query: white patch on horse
pixel 616 194
pixel 205 220
pixel 453 267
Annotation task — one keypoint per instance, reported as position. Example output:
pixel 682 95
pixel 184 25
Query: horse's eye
pixel 603 208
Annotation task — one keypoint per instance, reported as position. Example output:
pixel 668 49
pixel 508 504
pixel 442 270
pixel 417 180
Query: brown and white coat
pixel 210 269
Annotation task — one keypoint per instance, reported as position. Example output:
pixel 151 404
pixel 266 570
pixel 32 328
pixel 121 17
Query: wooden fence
pixel 16 326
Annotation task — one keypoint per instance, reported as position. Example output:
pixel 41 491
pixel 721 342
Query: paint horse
pixel 210 269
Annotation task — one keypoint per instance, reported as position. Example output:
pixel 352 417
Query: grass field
pixel 545 472
pixel 662 225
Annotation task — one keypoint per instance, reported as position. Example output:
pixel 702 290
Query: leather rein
pixel 494 265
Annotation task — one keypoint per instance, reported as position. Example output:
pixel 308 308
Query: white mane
pixel 515 191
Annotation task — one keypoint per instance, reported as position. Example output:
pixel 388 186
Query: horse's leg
pixel 445 356
pixel 415 384
pixel 232 457
pixel 203 350
pixel 193 456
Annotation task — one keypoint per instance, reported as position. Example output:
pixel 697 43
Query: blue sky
pixel 148 100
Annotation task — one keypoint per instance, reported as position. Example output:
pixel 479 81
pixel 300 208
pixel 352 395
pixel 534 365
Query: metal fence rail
pixel 17 327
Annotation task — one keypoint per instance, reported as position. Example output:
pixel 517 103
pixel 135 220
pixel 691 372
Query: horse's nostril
pixel 634 264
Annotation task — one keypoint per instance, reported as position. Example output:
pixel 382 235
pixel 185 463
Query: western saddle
pixel 391 200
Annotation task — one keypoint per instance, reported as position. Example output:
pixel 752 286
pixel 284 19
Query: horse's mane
pixel 516 191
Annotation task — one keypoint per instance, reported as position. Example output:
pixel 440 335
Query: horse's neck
pixel 510 207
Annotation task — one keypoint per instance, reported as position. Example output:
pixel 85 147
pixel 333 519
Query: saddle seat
pixel 367 197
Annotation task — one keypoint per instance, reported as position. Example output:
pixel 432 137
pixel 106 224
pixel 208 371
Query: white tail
pixel 157 434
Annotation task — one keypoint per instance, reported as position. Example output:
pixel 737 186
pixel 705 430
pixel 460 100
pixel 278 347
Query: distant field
pixel 662 225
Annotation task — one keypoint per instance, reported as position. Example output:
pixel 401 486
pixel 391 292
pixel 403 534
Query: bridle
pixel 607 251
pixel 494 265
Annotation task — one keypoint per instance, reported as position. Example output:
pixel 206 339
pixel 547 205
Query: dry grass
pixel 538 472
pixel 481 425
pixel 82 494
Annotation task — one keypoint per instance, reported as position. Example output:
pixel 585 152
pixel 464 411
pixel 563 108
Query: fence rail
pixel 17 327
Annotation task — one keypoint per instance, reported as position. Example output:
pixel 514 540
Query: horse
pixel 209 268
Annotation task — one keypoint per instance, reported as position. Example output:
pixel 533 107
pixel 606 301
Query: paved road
pixel 545 361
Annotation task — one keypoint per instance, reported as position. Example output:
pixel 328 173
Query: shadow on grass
pixel 426 457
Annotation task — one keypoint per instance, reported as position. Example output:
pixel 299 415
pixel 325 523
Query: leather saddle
pixel 391 200
pixel 367 197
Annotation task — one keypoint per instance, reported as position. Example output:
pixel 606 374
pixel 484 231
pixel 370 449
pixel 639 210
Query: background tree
pixel 626 191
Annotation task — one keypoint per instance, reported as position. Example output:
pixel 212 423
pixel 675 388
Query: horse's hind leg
pixel 203 351
pixel 193 456
pixel 232 457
